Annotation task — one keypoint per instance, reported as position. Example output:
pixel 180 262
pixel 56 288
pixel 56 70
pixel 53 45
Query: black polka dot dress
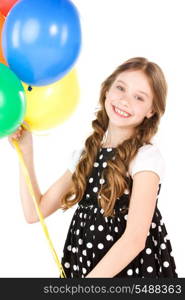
pixel 91 235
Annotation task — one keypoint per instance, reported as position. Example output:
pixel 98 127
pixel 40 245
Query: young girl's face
pixel 129 99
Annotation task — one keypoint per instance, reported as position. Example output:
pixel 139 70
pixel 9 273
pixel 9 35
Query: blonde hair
pixel 116 171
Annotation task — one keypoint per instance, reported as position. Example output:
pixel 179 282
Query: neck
pixel 115 136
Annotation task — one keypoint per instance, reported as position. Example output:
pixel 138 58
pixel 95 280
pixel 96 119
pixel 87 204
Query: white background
pixel 113 31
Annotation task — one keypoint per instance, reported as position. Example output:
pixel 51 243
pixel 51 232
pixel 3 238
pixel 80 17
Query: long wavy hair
pixel 117 169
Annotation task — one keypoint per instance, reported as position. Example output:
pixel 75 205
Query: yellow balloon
pixel 48 106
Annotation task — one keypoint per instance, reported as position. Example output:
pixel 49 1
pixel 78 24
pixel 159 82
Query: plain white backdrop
pixel 112 32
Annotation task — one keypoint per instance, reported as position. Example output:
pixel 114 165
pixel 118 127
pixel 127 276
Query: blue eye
pixel 120 87
pixel 140 98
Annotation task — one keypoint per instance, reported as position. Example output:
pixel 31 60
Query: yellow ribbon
pixel 44 227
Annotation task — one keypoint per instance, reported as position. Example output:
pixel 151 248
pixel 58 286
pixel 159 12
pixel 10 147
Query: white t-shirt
pixel 74 158
pixel 148 158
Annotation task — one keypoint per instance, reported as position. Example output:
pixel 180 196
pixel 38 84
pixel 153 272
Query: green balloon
pixel 12 102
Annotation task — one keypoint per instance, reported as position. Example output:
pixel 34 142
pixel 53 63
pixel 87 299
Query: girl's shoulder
pixel 149 149
pixel 148 157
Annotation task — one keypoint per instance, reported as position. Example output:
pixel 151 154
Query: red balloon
pixel 2 59
pixel 6 5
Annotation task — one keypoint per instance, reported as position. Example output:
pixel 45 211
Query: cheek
pixel 139 111
pixel 108 107
pixel 107 103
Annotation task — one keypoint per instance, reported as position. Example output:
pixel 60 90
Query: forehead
pixel 136 79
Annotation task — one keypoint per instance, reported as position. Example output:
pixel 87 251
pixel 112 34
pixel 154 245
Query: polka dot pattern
pixel 149 269
pixel 92 234
pixel 100 246
pixel 100 227
pixel 102 181
pixel 89 245
pixel 104 164
pixel 67 265
pixel 95 189
pixel 148 251
pixel 130 272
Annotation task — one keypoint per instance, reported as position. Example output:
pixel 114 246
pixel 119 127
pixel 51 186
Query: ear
pixel 150 114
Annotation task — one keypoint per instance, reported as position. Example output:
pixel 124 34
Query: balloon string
pixel 44 227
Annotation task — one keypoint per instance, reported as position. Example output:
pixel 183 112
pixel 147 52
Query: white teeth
pixel 121 112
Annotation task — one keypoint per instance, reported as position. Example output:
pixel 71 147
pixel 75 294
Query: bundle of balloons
pixel 40 41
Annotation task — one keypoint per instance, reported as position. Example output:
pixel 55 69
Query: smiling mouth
pixel 120 113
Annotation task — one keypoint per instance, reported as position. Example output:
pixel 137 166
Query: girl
pixel 117 229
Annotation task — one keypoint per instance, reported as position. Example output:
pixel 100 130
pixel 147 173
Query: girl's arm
pixel 132 242
pixel 49 202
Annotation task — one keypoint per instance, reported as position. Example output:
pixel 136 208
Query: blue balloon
pixel 41 40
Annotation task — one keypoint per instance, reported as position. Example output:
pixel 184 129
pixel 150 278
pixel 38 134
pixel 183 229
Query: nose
pixel 124 101
pixel 124 97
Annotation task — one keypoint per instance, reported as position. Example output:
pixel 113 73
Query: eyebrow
pixel 138 91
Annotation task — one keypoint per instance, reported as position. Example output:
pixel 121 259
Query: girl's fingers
pixel 26 125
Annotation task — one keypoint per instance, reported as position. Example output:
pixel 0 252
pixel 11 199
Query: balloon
pixel 41 40
pixel 51 105
pixel 2 60
pixel 6 5
pixel 12 101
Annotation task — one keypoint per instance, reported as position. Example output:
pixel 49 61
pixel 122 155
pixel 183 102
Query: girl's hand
pixel 24 138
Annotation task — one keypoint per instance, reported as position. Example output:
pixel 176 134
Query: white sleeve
pixel 74 158
pixel 148 158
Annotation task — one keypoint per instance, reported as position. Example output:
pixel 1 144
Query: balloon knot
pixel 29 88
